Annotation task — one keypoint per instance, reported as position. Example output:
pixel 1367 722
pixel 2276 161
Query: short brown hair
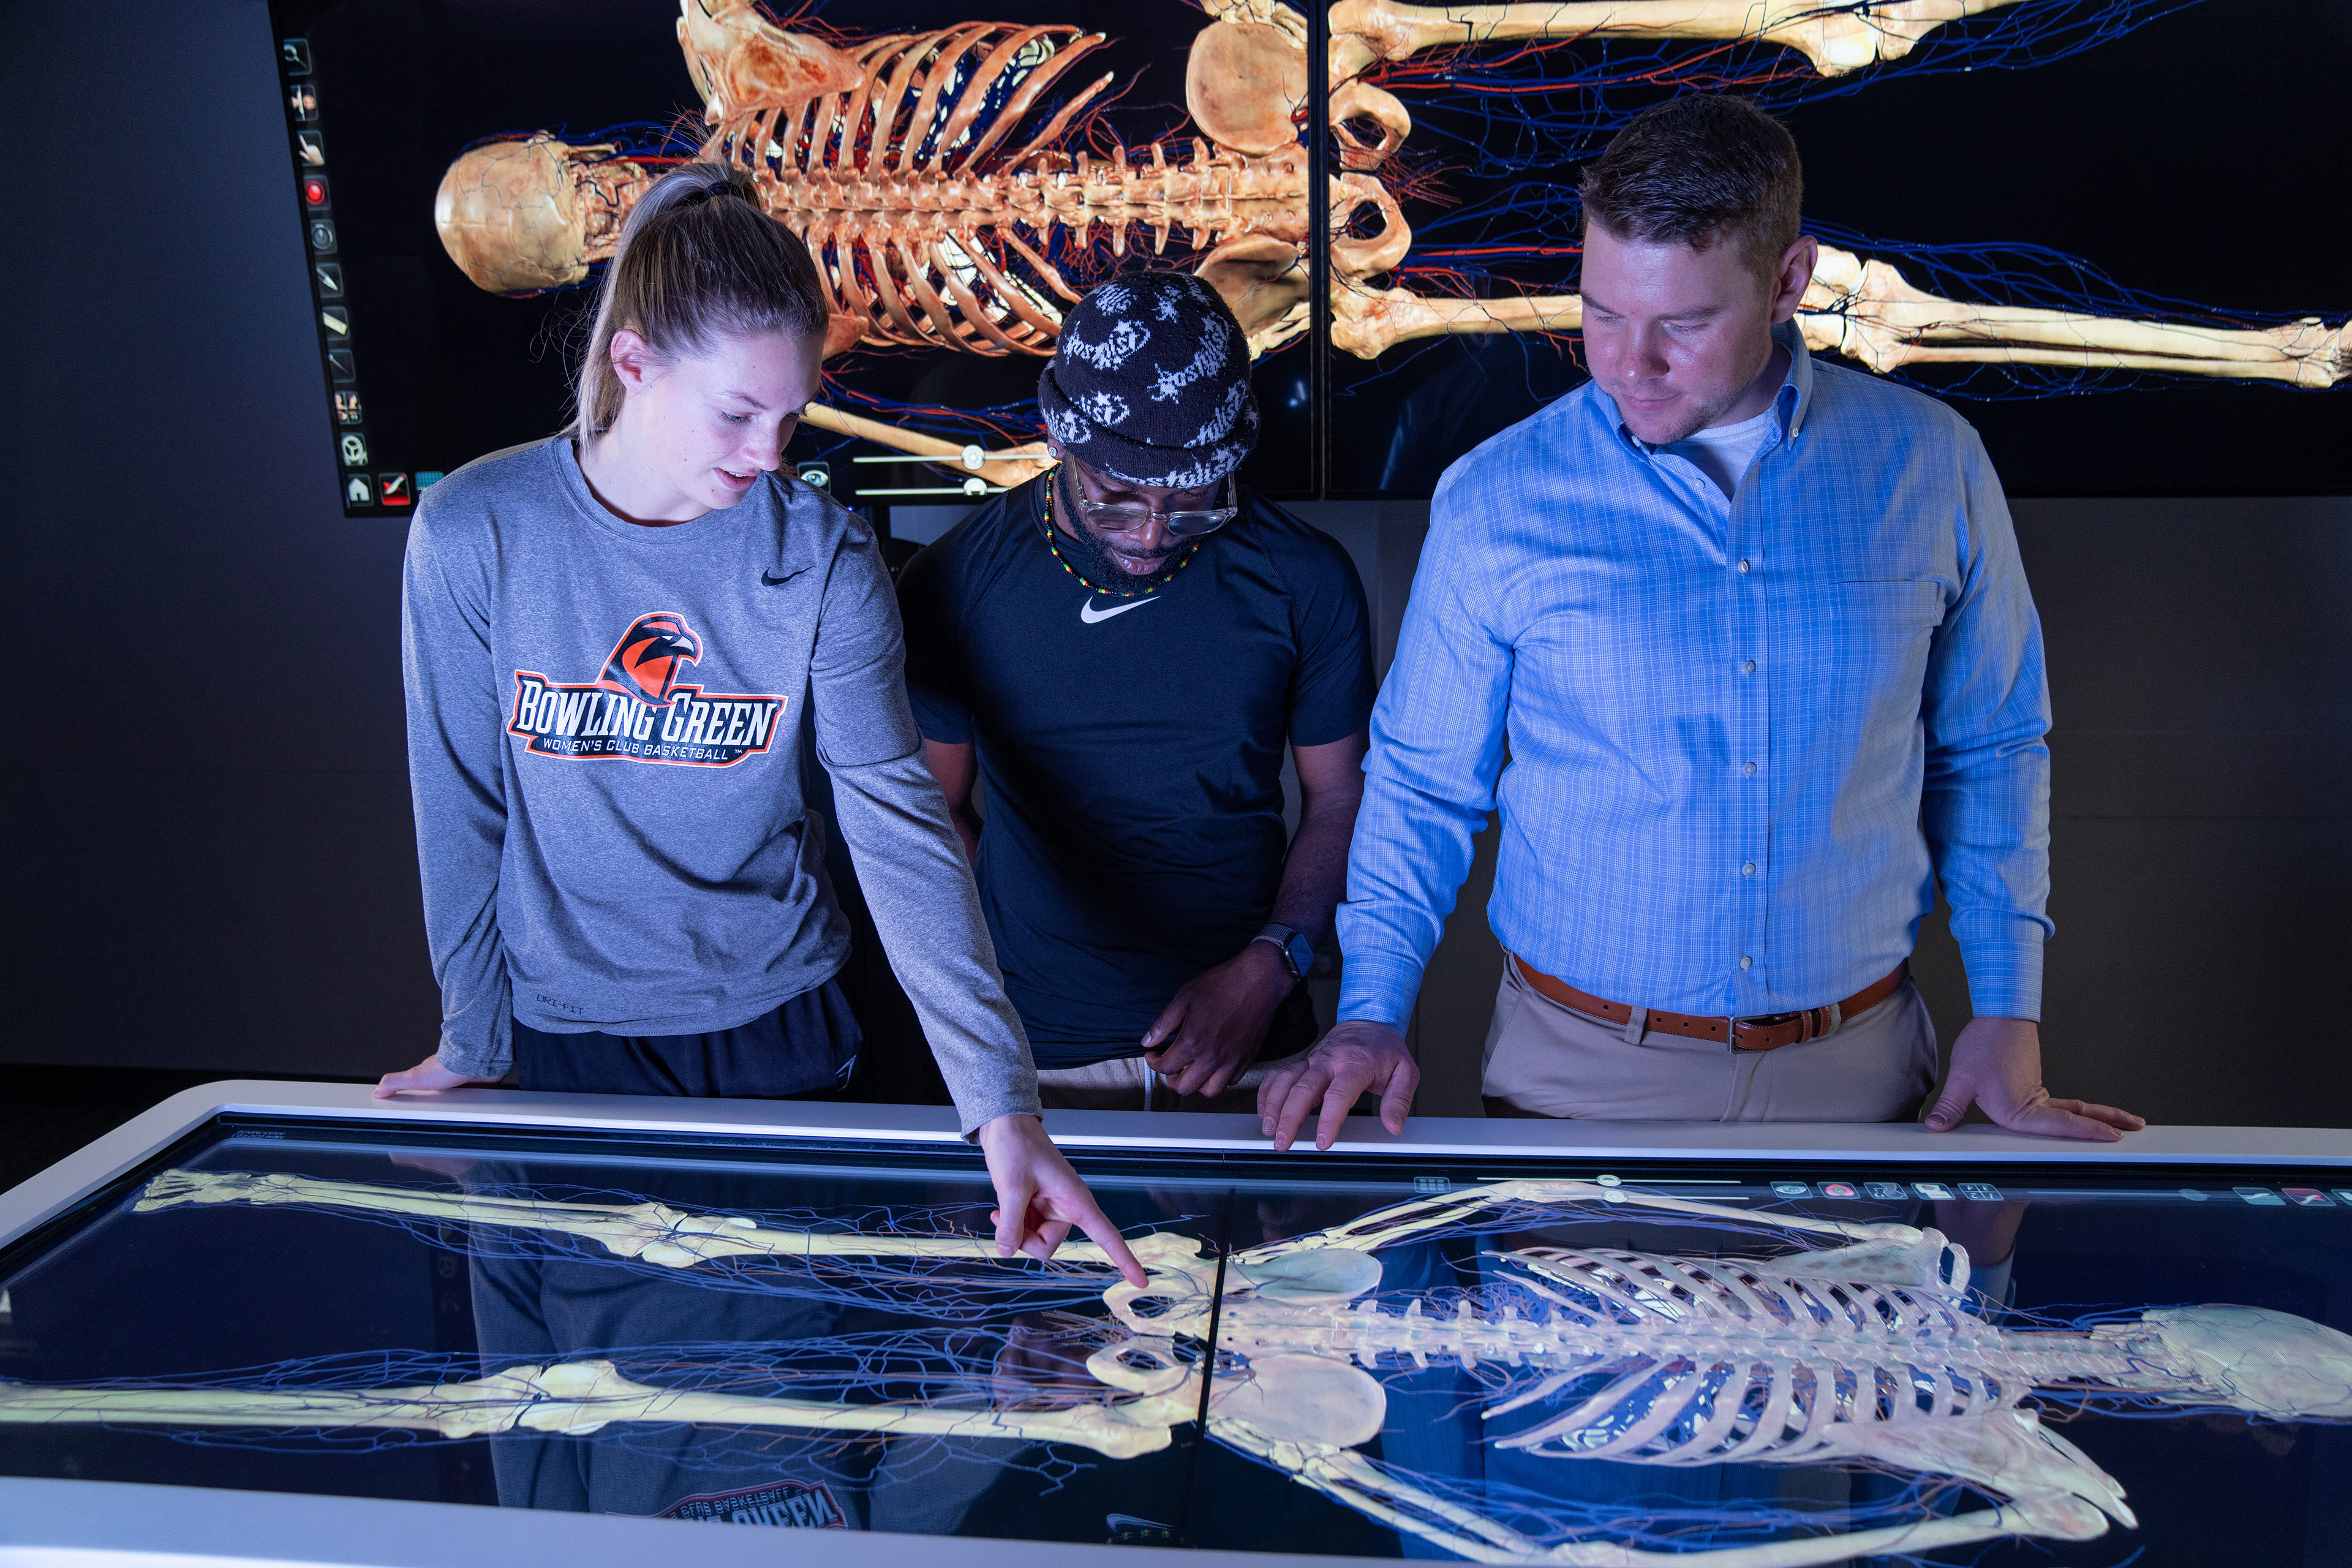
pixel 1698 169
pixel 699 258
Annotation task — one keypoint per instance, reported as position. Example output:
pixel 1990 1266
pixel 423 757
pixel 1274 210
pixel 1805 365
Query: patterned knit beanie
pixel 1149 384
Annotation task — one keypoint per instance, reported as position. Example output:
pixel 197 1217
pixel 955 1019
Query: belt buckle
pixel 1813 1022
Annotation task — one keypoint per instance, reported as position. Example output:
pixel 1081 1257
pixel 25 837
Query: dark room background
pixel 210 862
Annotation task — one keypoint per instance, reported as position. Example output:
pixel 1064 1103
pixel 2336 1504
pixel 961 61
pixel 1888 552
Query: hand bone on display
pixel 1862 1348
pixel 942 217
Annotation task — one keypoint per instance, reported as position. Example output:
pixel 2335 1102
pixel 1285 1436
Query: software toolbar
pixel 368 489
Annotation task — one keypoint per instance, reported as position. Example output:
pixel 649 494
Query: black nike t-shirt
pixel 1131 750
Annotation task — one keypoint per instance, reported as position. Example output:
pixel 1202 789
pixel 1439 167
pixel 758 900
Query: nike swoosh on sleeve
pixel 1089 615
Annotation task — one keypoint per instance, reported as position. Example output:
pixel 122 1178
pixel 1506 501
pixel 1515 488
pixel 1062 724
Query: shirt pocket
pixel 1882 631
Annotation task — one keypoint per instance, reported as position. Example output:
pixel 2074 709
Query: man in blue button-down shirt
pixel 1741 646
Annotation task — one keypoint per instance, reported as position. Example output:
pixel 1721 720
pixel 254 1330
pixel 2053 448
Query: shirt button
pixel 1747 768
pixel 1749 668
pixel 1749 870
pixel 1743 566
pixel 1745 962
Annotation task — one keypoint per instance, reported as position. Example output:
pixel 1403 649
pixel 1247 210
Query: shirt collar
pixel 1796 394
pixel 1788 405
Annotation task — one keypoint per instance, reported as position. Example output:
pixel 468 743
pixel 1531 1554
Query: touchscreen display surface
pixel 1497 1360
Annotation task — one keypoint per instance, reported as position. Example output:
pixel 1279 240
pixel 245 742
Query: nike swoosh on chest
pixel 1091 617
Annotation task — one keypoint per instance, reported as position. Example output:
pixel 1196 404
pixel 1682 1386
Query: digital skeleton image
pixel 1863 1349
pixel 946 183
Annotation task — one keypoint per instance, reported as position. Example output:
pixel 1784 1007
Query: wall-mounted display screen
pixel 1450 1356
pixel 2100 227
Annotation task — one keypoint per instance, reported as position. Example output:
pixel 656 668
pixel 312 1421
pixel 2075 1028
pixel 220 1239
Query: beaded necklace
pixel 1045 515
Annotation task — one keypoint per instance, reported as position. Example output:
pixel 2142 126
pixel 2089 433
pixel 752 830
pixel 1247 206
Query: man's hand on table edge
pixel 1355 1057
pixel 1997 1064
pixel 1216 1024
pixel 1039 1197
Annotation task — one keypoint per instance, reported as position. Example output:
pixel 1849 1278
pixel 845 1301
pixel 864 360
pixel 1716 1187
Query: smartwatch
pixel 1298 953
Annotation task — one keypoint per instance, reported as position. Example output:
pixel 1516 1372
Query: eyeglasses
pixel 1128 516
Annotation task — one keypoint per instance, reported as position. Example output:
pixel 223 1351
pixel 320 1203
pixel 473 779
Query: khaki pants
pixel 1544 1060
pixel 1127 1083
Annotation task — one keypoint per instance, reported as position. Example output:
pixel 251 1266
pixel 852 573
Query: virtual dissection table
pixel 597 1318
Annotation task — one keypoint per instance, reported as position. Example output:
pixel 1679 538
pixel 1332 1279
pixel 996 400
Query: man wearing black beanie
pixel 1119 651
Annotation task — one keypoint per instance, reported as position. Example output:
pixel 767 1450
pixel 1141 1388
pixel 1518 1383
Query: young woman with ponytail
pixel 608 636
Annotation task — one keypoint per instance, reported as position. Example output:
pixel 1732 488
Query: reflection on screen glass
pixel 1364 1358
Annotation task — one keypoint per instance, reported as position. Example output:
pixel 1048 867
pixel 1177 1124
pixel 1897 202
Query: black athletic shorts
pixel 807 1045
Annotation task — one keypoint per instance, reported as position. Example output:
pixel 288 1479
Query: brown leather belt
pixel 1768 1033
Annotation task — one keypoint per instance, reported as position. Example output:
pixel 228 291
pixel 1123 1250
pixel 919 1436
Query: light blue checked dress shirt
pixel 1734 741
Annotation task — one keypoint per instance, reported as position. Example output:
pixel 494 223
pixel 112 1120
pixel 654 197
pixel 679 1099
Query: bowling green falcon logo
pixel 641 710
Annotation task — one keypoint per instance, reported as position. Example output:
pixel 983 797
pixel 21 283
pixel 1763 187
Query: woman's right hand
pixel 426 1074
pixel 1039 1197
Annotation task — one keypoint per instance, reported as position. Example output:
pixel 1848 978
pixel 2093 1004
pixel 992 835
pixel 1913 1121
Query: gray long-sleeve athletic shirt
pixel 604 743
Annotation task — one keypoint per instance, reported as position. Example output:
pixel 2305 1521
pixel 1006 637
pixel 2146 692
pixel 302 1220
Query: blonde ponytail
pixel 698 260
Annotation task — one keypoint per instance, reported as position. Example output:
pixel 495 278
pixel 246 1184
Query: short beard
pixel 1086 555
pixel 1704 419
